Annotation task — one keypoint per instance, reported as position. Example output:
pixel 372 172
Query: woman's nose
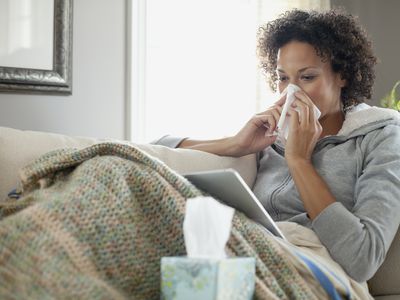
pixel 295 82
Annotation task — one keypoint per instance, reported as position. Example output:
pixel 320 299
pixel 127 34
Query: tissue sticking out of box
pixel 206 227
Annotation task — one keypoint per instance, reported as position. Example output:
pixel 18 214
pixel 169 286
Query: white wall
pixel 381 20
pixel 97 104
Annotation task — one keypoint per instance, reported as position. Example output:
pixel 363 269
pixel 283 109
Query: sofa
pixel 18 147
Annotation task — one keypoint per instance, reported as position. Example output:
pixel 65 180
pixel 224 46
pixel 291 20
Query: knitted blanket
pixel 94 223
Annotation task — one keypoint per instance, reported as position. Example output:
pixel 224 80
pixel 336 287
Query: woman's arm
pixel 304 133
pixel 223 147
pixel 312 188
pixel 359 238
pixel 255 136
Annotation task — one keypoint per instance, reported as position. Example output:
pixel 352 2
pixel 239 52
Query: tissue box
pixel 198 278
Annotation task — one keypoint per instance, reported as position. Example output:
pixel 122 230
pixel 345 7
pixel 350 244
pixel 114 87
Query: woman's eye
pixel 308 77
pixel 282 78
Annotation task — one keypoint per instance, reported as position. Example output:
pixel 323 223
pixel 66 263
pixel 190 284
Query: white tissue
pixel 282 129
pixel 206 227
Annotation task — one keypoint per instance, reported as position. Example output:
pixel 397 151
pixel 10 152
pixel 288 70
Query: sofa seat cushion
pixel 388 297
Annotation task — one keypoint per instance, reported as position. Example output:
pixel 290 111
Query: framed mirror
pixel 36 46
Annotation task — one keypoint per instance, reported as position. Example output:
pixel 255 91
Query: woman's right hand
pixel 256 135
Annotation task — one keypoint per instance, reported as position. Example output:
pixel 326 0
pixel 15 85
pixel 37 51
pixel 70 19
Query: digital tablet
pixel 229 187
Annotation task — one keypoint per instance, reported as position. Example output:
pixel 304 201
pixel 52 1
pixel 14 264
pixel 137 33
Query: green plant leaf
pixel 391 100
pixel 386 101
pixel 393 93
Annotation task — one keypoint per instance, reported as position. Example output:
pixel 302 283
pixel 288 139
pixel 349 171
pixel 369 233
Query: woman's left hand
pixel 304 130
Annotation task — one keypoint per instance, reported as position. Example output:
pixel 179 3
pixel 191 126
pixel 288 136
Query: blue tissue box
pixel 185 278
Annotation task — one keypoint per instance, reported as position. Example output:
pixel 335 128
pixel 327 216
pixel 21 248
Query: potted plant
pixel 392 100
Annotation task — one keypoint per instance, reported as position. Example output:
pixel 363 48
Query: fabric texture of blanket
pixel 94 223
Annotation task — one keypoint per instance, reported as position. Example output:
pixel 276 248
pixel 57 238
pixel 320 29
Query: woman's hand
pixel 257 133
pixel 304 130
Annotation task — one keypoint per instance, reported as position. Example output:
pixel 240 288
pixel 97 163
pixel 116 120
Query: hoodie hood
pixel 363 118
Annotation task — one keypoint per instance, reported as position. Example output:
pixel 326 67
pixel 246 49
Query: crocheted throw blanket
pixel 94 223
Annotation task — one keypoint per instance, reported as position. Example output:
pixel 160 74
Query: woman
pixel 340 174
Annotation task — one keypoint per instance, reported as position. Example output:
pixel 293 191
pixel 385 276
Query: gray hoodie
pixel 361 165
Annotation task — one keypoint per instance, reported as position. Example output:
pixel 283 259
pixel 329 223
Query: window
pixel 194 67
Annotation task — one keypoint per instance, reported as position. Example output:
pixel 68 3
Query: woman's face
pixel 298 63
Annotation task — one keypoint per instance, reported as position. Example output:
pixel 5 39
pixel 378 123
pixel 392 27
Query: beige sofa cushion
pixel 18 147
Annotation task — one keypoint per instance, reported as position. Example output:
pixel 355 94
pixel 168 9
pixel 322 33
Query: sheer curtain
pixel 194 71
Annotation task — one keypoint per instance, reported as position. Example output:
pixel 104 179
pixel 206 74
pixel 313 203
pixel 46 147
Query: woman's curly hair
pixel 335 35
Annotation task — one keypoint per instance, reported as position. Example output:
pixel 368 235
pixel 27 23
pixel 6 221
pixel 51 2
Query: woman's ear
pixel 340 80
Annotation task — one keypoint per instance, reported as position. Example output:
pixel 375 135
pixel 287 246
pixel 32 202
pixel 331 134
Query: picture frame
pixel 58 80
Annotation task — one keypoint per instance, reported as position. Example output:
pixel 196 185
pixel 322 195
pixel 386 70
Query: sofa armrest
pixel 386 279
